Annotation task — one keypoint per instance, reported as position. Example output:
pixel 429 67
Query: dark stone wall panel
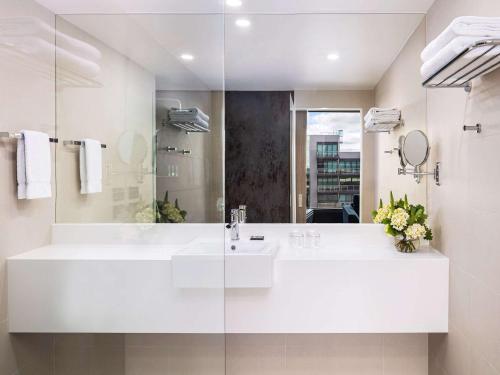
pixel 257 156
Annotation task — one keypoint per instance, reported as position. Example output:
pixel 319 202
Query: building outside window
pixel 333 167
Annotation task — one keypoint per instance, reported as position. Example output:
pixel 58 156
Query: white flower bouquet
pixel 407 223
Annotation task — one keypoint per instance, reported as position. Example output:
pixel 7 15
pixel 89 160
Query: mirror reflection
pixel 416 148
pixel 235 112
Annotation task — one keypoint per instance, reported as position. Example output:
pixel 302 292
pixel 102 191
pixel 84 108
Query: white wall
pixel 27 100
pixel 465 210
pixel 400 87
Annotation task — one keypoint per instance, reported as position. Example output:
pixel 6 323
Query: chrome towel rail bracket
pixel 476 128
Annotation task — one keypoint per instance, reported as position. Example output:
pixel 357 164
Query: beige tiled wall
pixel 27 102
pixel 88 354
pixel 198 184
pixel 276 354
pixel 465 210
pixel 232 354
pixel 401 88
pixel 120 102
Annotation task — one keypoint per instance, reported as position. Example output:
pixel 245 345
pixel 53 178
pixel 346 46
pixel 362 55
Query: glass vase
pixel 405 245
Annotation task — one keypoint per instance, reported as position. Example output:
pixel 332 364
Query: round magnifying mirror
pixel 416 148
pixel 402 160
pixel 132 148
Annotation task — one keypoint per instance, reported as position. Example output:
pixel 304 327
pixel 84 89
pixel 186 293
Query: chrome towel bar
pixel 79 143
pixel 20 136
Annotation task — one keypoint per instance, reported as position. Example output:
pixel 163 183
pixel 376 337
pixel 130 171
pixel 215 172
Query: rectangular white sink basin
pixel 250 264
pixel 245 264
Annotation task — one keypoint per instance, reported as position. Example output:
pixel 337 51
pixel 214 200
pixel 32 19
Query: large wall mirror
pixel 264 111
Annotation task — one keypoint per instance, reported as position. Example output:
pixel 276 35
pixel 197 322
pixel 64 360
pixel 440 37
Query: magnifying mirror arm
pixel 417 174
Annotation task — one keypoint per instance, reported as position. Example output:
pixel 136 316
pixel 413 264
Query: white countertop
pixel 116 278
pixel 164 252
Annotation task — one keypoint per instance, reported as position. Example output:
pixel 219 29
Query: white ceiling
pixel 278 52
pixel 249 6
pixel 287 52
pixel 156 42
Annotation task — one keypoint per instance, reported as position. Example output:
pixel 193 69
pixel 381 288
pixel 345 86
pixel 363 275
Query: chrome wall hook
pixel 476 128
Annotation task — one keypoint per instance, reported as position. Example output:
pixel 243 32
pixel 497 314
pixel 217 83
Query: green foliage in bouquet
pixel 161 212
pixel 168 212
pixel 404 221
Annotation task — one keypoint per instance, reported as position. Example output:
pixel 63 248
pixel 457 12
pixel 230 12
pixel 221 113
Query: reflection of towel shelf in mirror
pixel 384 126
pixel 19 136
pixel 66 78
pixel 40 56
pixel 479 59
pixel 189 127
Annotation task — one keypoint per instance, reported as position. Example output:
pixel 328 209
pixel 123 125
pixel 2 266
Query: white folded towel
pixel 192 112
pixel 382 114
pixel 197 120
pixel 90 166
pixel 34 27
pixel 44 51
pixel 484 27
pixel 452 50
pixel 33 165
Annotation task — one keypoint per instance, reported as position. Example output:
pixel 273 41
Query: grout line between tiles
pixel 383 355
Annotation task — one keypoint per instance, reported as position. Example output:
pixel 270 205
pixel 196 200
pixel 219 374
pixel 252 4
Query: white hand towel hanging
pixel 33 165
pixel 90 166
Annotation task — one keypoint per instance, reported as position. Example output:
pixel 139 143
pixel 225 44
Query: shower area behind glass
pixel 118 82
pixel 150 89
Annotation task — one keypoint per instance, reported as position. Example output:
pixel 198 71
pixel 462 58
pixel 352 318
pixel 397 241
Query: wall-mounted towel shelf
pixel 384 126
pixel 480 58
pixel 189 127
pixel 78 143
pixel 19 136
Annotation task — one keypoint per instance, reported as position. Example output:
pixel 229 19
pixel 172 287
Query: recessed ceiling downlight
pixel 333 56
pixel 234 3
pixel 187 57
pixel 243 22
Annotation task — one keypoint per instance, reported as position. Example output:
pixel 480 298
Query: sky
pixel 319 123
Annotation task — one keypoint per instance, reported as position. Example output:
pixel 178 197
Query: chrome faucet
pixel 235 226
pixel 242 214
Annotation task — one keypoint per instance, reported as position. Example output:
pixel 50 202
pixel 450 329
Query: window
pixel 327 149
pixel 333 142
